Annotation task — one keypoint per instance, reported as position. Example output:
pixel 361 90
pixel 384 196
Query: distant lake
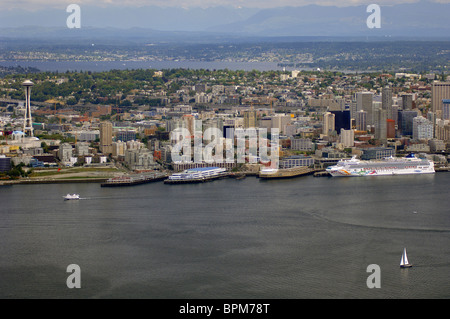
pixel 98 66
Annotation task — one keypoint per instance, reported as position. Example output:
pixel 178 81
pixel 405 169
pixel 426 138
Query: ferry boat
pixel 387 166
pixel 197 175
pixel 71 196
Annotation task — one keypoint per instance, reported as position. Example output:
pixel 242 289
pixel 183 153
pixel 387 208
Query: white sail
pixel 404 260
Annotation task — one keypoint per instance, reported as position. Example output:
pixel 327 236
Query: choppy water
pixel 299 238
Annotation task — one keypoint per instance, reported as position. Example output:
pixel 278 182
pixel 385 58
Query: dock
pixel 286 173
pixel 133 180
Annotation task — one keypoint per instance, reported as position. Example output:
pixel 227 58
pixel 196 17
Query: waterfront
pixel 296 238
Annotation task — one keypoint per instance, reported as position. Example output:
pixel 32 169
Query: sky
pixel 33 5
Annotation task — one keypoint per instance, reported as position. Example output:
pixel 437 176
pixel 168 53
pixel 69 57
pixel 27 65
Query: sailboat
pixel 404 262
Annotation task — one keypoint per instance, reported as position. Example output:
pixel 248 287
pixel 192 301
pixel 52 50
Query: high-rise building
pixel 381 125
pixel 386 101
pixel 341 120
pixel 422 128
pixel 361 120
pixel 390 128
pixel 348 138
pixel 439 91
pixel 446 109
pixel 407 102
pixel 250 119
pixel 328 123
pixel 405 122
pixel 364 102
pixel 106 137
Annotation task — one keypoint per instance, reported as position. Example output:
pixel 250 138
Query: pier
pixel 286 173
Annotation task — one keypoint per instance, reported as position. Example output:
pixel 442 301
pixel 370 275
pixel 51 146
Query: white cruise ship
pixel 388 166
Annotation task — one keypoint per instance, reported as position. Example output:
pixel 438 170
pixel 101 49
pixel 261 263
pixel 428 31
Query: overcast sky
pixel 45 4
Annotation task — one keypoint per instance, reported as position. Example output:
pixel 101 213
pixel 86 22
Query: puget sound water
pixel 297 238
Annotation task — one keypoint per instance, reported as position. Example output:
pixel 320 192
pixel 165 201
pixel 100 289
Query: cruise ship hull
pixel 387 167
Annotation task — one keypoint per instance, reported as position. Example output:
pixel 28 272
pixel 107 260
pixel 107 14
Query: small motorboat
pixel 71 196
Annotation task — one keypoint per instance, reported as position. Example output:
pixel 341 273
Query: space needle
pixel 28 123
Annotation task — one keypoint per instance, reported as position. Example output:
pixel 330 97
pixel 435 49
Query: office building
pixel 381 125
pixel 347 138
pixel 250 119
pixel 439 91
pixel 386 102
pixel 361 120
pixel 407 102
pixel 126 135
pixel 390 128
pixel 446 109
pixel 375 153
pixel 422 128
pixel 364 102
pixel 328 123
pixel 405 122
pixel 106 137
pixel 341 120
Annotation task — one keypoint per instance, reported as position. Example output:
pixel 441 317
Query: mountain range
pixel 420 19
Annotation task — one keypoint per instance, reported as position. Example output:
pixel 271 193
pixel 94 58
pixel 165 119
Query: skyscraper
pixel 106 137
pixel 249 119
pixel 364 102
pixel 439 91
pixel 386 101
pixel 446 109
pixel 361 120
pixel 328 123
pixel 407 102
pixel 381 125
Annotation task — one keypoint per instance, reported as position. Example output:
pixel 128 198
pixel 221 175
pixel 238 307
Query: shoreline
pixel 104 179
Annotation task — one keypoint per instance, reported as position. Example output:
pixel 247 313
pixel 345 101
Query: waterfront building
pixel 296 161
pixel 377 153
pixel 5 163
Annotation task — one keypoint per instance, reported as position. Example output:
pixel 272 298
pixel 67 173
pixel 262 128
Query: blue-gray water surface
pixel 298 238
